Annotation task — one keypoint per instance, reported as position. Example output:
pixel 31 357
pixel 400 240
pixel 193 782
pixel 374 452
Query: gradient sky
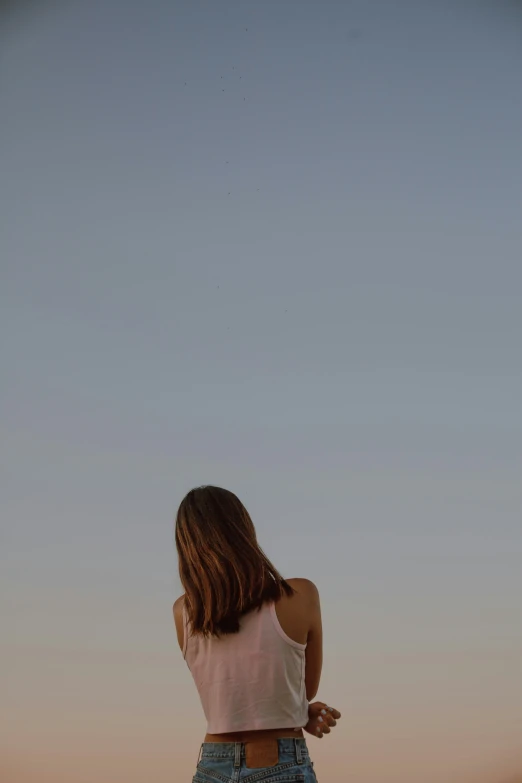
pixel 284 260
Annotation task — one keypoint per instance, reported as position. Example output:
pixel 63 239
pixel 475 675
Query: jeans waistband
pixel 258 753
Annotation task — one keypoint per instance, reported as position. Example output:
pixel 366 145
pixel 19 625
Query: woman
pixel 253 643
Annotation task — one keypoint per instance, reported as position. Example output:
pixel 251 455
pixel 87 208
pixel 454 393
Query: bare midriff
pixel 253 736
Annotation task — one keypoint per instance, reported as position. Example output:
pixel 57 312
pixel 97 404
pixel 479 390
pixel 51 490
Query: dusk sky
pixel 273 246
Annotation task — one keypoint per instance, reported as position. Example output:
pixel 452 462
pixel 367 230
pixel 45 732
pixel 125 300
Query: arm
pixel 314 643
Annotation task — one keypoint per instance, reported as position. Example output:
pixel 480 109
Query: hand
pixel 320 718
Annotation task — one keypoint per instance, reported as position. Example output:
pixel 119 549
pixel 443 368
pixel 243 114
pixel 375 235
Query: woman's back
pixel 299 617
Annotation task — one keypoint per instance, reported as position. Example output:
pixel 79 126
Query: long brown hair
pixel 222 568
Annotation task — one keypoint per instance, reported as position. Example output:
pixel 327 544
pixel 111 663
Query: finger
pixel 336 714
pixel 325 728
pixel 328 717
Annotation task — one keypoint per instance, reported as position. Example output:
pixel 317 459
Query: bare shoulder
pixel 177 610
pixel 304 587
pixel 298 613
pixel 306 593
pixel 178 607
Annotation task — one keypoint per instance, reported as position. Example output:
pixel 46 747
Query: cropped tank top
pixel 251 680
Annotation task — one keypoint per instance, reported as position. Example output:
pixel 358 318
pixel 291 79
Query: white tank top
pixel 251 680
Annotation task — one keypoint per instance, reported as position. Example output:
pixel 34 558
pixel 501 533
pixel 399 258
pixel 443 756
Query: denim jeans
pixel 225 762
